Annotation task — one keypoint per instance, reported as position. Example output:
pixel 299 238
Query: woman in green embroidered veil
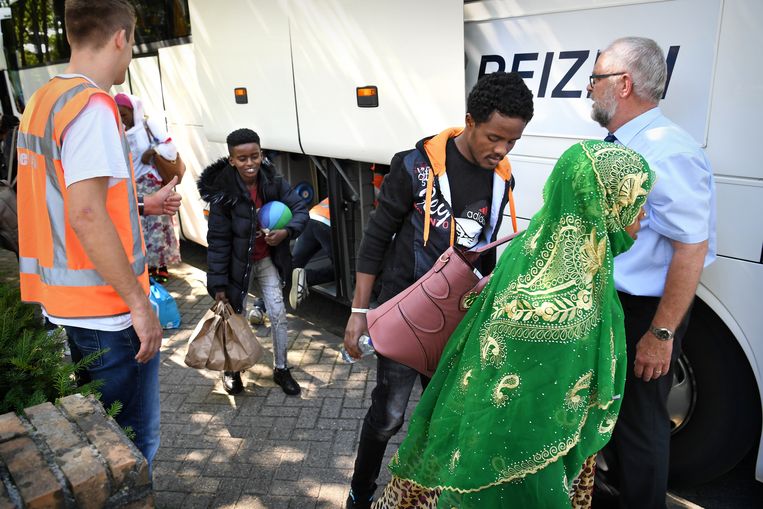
pixel 528 388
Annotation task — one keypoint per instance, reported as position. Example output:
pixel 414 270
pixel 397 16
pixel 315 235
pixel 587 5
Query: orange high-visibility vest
pixel 55 270
pixel 321 212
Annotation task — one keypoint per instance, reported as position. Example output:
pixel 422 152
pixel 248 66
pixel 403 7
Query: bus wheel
pixel 714 404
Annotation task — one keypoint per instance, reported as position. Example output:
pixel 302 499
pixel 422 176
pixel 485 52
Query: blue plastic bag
pixel 164 306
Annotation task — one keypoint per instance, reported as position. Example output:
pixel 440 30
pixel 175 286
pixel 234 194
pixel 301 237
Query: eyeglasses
pixel 593 77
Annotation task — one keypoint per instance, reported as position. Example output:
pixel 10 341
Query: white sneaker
pixel 256 316
pixel 299 291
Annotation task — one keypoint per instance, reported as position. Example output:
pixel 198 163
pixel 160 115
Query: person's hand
pixel 149 331
pixel 147 155
pixel 275 237
pixel 220 296
pixel 652 357
pixel 164 201
pixel 356 326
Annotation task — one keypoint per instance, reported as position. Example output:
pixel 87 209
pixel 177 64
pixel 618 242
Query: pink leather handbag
pixel 413 327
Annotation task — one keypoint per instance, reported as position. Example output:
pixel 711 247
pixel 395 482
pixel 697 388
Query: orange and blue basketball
pixel 274 215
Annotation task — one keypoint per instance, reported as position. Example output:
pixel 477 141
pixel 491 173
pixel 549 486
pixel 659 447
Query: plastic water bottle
pixel 365 346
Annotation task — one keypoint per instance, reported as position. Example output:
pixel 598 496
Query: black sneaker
pixel 232 382
pixel 354 502
pixel 283 377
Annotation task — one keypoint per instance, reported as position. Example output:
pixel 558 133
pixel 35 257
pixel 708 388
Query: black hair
pixel 504 92
pixel 241 137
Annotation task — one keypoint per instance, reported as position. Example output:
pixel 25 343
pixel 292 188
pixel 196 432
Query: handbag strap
pixel 152 138
pixel 495 243
pixel 148 133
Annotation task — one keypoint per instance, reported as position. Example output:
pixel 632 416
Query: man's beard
pixel 604 108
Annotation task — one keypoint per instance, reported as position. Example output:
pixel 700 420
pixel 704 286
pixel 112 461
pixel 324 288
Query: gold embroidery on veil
pixel 554 298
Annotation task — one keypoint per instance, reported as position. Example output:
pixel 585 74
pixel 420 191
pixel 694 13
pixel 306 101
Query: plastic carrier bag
pixel 164 305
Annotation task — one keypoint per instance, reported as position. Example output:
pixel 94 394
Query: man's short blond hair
pixel 92 22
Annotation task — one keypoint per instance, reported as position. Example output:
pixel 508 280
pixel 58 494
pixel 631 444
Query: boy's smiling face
pixel 247 159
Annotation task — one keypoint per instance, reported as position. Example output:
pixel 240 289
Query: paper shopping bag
pixel 242 350
pixel 206 348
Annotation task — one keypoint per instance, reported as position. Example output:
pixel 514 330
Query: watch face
pixel 663 334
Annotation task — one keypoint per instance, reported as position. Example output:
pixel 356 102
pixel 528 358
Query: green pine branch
pixel 32 367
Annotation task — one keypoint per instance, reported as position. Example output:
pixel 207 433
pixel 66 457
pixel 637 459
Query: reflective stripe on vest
pixel 55 270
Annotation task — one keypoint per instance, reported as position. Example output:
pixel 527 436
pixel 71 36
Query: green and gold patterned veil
pixel 529 384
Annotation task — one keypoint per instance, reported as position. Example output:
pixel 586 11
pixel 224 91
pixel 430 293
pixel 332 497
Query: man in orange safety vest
pixel 81 251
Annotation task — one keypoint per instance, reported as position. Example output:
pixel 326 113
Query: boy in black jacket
pixel 240 256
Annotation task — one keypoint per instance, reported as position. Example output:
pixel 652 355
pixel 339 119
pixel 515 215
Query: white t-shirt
pixel 92 148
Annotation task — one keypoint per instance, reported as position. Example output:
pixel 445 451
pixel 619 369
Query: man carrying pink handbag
pixel 451 189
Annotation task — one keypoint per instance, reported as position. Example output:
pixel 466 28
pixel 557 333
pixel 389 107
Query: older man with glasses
pixel 657 278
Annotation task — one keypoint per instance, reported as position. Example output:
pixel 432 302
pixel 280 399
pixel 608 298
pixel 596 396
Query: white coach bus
pixel 335 88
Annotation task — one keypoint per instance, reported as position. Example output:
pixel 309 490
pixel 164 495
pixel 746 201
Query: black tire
pixel 724 419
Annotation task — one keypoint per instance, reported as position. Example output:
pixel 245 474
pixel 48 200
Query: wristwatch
pixel 661 333
pixel 140 205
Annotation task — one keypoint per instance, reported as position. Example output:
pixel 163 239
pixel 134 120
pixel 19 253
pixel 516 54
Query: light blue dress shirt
pixel 680 207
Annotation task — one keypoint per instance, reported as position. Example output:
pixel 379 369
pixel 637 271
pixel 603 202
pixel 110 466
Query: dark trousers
pixel 638 453
pixel 389 399
pixel 315 238
pixel 134 384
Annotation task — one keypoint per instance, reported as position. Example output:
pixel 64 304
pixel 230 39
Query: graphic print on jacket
pixel 468 189
pixel 469 223
pixel 404 238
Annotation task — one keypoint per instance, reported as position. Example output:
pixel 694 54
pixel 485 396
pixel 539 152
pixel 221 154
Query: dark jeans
pixel 639 452
pixel 389 399
pixel 126 380
pixel 315 238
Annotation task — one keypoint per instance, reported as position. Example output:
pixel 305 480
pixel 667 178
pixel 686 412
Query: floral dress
pixel 162 247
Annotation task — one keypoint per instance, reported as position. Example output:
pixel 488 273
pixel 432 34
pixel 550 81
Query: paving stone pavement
pixel 260 449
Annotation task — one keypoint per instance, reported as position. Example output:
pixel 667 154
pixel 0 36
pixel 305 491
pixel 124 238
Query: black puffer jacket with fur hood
pixel 233 224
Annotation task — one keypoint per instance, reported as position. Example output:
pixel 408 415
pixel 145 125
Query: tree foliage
pixel 39 31
pixel 32 366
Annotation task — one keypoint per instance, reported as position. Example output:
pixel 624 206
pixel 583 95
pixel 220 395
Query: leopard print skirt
pixel 402 494
pixel 582 487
